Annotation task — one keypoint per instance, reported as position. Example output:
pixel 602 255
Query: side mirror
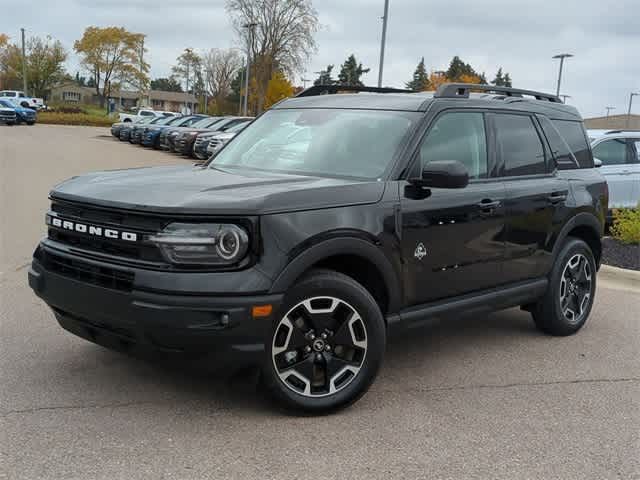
pixel 443 174
pixel 597 162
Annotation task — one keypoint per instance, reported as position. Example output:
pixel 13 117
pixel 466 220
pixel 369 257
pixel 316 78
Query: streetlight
pixel 564 98
pixel 561 56
pixel 629 111
pixel 385 18
pixel 250 28
pixel 609 110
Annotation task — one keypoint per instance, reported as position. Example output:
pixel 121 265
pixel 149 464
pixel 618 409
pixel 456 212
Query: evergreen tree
pixel 325 77
pixel 420 81
pixel 351 71
pixel 501 80
pixel 458 69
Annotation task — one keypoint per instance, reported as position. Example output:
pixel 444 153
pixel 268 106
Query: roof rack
pixel 333 89
pixel 462 90
pixel 632 130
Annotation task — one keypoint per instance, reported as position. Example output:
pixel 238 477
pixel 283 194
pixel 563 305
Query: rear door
pixel 634 168
pixel 616 157
pixel 536 195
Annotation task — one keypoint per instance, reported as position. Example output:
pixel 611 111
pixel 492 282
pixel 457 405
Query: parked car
pixel 23 114
pixel 207 144
pixel 151 133
pixel 168 136
pixel 127 127
pixel 19 98
pixel 186 138
pixel 618 154
pixel 401 208
pixel 142 113
pixel 7 115
pixel 137 129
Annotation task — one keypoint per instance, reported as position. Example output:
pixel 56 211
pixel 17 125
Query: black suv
pixel 329 223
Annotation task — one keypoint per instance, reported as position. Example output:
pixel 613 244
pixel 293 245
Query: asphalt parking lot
pixel 473 398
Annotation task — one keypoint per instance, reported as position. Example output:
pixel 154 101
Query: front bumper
pixel 217 327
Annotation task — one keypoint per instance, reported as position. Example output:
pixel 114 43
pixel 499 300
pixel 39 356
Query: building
pixel 614 122
pixel 71 92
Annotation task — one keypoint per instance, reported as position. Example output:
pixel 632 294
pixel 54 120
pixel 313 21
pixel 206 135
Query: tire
pixel 565 307
pixel 31 123
pixel 335 366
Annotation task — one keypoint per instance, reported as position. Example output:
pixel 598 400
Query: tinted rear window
pixel 575 136
pixel 519 145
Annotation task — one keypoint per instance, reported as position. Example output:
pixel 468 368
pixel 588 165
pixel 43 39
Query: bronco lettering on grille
pixel 91 229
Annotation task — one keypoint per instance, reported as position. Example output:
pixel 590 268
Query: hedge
pixel 60 118
pixel 626 225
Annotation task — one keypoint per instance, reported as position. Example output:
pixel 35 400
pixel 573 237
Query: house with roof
pixel 71 93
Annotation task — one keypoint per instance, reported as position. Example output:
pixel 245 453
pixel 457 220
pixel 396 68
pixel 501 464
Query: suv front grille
pixel 76 269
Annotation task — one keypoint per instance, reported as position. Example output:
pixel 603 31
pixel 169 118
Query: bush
pixel 626 225
pixel 74 118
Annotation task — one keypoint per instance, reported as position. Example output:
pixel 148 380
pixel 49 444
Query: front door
pixel 452 239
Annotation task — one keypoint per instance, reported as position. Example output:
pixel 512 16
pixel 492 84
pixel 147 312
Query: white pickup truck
pixel 142 113
pixel 19 98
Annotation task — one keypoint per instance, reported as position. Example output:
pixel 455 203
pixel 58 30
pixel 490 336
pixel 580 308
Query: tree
pixel 351 71
pixel 221 67
pixel 457 68
pixel 282 40
pixel 166 84
pixel 279 87
pixel 188 64
pixel 44 64
pixel 420 81
pixel 113 53
pixel 324 77
pixel 507 80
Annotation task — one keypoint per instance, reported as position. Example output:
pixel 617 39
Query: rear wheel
pixel 569 298
pixel 326 345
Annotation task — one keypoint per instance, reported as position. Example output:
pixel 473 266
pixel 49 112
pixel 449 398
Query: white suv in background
pixel 619 154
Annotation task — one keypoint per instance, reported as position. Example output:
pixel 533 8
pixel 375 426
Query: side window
pixel 458 136
pixel 21 95
pixel 575 136
pixel 636 144
pixel 559 147
pixel 611 152
pixel 146 113
pixel 518 145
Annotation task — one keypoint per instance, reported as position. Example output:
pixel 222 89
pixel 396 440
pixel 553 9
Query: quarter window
pixel 518 145
pixel 636 144
pixel 574 134
pixel 458 136
pixel 611 152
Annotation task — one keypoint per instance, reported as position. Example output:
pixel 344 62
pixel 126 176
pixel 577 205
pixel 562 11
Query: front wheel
pixel 326 345
pixel 30 123
pixel 565 307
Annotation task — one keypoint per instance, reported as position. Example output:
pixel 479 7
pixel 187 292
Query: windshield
pixel 238 127
pixel 334 143
pixel 6 103
pixel 204 122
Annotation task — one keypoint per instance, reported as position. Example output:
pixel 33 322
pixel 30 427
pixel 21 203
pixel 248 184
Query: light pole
pixel 385 18
pixel 629 111
pixel 609 110
pixel 250 28
pixel 564 98
pixel 24 65
pixel 561 56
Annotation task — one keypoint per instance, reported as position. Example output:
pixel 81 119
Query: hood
pixel 188 189
pixel 7 109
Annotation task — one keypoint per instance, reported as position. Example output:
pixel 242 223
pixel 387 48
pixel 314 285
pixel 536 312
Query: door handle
pixel 557 197
pixel 488 204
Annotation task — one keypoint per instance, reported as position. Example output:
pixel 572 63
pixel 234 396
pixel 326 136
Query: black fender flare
pixel 582 219
pixel 342 246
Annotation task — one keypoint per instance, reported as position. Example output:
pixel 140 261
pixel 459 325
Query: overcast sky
pixel 519 35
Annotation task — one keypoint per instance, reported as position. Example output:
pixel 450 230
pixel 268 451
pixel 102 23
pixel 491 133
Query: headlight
pixel 203 243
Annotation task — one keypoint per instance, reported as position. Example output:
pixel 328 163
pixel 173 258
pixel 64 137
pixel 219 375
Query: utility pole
pixel 250 28
pixel 383 42
pixel 629 111
pixel 24 65
pixel 609 109
pixel 242 73
pixel 141 69
pixel 561 56
pixel 187 91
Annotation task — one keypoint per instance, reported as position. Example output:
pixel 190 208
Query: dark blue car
pixel 26 115
pixel 151 134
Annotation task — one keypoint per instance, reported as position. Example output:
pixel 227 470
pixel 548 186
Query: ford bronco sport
pixel 329 223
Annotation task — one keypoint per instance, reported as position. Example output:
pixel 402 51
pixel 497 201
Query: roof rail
pixel 632 130
pixel 462 90
pixel 333 89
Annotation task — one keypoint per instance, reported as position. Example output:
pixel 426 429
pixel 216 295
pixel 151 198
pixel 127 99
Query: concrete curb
pixel 619 278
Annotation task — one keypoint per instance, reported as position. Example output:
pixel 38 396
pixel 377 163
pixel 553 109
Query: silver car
pixel 618 152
